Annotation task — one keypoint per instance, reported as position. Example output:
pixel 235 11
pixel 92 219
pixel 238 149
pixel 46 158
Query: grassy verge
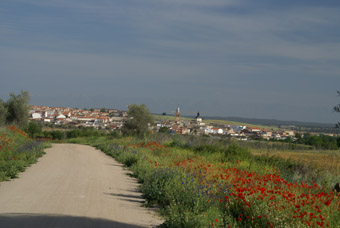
pixel 205 185
pixel 325 160
pixel 17 151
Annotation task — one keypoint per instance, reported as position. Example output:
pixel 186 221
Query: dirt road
pixel 74 186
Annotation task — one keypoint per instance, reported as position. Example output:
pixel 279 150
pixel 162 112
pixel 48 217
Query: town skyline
pixel 114 119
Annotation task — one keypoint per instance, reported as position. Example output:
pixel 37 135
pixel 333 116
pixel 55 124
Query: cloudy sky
pixel 262 59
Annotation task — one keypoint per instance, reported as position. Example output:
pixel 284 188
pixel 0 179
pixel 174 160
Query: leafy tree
pixel 17 108
pixel 33 130
pixel 3 113
pixel 337 109
pixel 138 122
pixel 59 135
pixel 103 110
pixel 164 130
pixel 298 136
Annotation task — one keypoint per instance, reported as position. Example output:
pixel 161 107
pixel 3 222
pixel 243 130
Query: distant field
pixel 160 117
pixel 226 122
pixel 322 159
pixel 210 121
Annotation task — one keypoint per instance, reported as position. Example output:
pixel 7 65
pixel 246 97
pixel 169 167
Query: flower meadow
pixel 195 187
pixel 17 151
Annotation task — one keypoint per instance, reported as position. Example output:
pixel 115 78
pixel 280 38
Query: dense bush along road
pixel 74 186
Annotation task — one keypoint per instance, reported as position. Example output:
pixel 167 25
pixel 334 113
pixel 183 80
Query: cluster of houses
pixel 241 132
pixel 114 119
pixel 95 117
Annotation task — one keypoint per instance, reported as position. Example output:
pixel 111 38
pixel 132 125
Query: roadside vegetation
pixel 199 181
pixel 17 151
pixel 19 147
pixel 204 182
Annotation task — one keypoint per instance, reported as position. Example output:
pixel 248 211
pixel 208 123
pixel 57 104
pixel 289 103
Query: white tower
pixel 178 114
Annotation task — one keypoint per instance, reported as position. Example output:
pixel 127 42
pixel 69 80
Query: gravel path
pixel 74 186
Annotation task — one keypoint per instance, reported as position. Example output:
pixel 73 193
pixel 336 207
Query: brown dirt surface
pixel 74 186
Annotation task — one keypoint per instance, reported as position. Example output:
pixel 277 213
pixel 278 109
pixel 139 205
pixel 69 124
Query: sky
pixel 268 59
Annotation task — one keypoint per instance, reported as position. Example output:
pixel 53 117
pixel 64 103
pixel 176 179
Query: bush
pixel 154 185
pixel 33 130
pixel 17 151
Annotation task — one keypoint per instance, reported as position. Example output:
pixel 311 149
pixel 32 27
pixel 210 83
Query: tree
pixel 337 109
pixel 33 130
pixel 103 110
pixel 3 113
pixel 138 122
pixel 17 108
pixel 165 130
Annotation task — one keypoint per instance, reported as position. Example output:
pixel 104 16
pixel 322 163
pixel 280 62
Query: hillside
pixel 303 126
pixel 274 122
pixel 210 120
pixel 263 123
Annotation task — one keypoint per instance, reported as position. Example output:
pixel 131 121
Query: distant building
pixel 198 118
pixel 36 115
pixel 178 114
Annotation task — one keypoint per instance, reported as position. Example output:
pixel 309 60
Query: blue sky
pixel 261 59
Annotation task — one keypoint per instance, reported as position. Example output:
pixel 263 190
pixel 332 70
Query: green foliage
pixel 81 133
pixel 176 178
pixel 3 113
pixel 138 122
pixel 319 142
pixel 17 152
pixel 33 130
pixel 56 135
pixel 17 109
pixel 84 132
pixel 165 130
pixel 154 185
pixel 235 150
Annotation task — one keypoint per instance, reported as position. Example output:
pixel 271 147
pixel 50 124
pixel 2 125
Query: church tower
pixel 178 114
pixel 198 118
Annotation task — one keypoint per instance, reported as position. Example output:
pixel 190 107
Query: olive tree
pixel 17 108
pixel 3 113
pixel 138 122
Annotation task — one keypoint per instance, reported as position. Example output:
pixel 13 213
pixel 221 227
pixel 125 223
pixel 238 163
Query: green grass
pixel 327 160
pixel 227 122
pixel 162 118
pixel 17 152
pixel 205 184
